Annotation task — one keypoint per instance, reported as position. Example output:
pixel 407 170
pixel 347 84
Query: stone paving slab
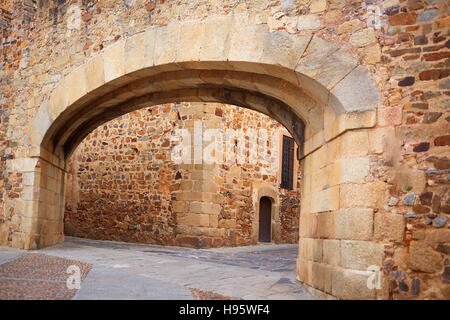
pixel 281 258
pixel 107 284
pixel 139 271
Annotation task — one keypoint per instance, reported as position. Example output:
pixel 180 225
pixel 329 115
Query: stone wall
pixel 416 157
pixel 122 184
pixel 403 186
pixel 5 111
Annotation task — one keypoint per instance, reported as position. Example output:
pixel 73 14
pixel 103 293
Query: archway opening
pixel 288 77
pixel 125 182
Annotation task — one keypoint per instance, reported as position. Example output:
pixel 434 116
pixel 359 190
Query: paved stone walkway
pixel 137 271
pixel 38 276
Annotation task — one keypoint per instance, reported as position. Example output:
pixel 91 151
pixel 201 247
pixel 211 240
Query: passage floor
pixel 117 270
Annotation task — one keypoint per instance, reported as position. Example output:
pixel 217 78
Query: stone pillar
pixel 39 223
pixel 338 248
pixel 197 204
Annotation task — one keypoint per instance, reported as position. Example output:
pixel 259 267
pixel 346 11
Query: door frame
pixel 266 190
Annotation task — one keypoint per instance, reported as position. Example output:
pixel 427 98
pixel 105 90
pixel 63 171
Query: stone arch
pixel 192 60
pixel 316 89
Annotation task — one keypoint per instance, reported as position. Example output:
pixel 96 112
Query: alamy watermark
pixel 374 279
pixel 230 146
pixel 74 280
pixel 73 18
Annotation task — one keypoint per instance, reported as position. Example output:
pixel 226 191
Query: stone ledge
pixel 337 127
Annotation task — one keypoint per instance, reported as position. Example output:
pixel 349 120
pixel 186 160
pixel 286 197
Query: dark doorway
pixel 265 217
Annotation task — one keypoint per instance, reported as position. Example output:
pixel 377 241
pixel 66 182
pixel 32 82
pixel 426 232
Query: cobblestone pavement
pixel 137 271
pixel 38 276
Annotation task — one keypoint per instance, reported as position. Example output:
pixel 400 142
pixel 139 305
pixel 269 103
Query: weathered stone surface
pixel 349 26
pixel 321 61
pixel 440 221
pixel 442 141
pixel 318 6
pixel 446 274
pixel 325 200
pixel 95 76
pixel 113 62
pixel 166 44
pixel 216 39
pixel 444 84
pixel 420 209
pixel 322 276
pixel 372 54
pixel 423 259
pixel 354 144
pixel 278 43
pixel 389 226
pixel 354 224
pixel 397 275
pixel 332 252
pixel 438 236
pixel 408 200
pixel 190 41
pixel 351 284
pixel 368 195
pixel 308 22
pixel 443 248
pixel 415 287
pixel 134 53
pixel 428 15
pixel 406 18
pixel 420 40
pixel 363 37
pixel 393 201
pixel 304 271
pixel 325 225
pixel 368 97
pixel 431 117
pixel 407 81
pixel 310 249
pixel 354 169
pixel 240 39
pixel 425 198
pixel 360 255
pixel 422 147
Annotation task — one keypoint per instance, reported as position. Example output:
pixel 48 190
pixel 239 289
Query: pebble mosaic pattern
pixel 35 276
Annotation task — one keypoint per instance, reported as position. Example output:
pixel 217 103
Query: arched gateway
pixel 317 90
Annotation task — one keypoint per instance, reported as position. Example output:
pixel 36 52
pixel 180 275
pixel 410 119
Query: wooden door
pixel 265 218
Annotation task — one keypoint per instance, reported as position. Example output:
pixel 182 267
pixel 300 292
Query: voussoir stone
pixel 324 62
pixel 284 49
pixel 357 91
